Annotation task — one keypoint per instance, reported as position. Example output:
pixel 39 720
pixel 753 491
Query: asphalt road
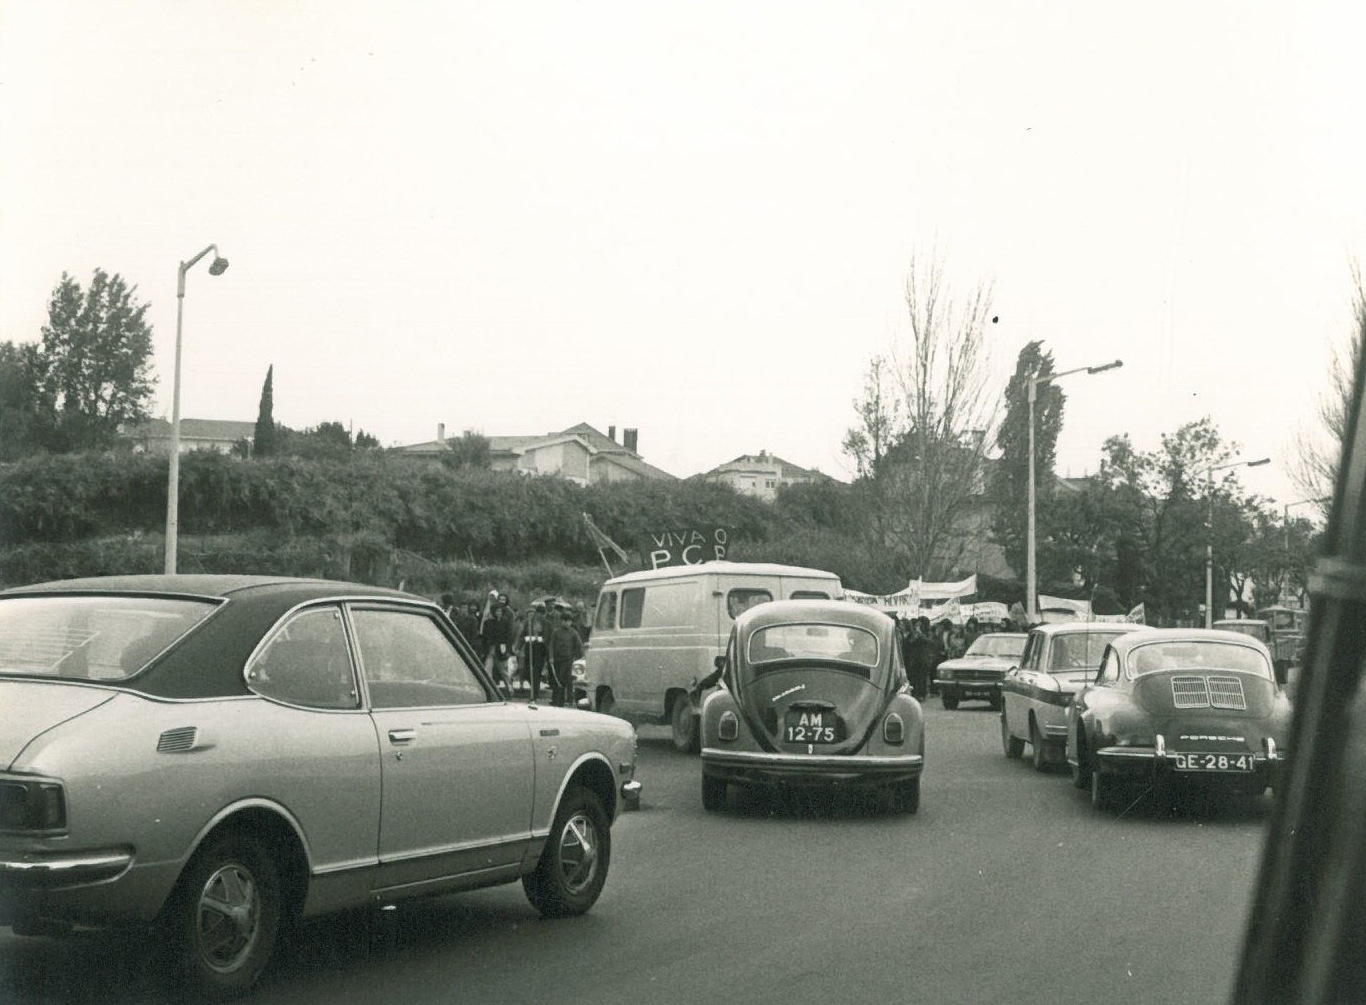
pixel 1006 886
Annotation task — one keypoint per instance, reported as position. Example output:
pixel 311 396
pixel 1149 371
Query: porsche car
pixel 1058 660
pixel 978 673
pixel 1179 706
pixel 813 693
pixel 217 755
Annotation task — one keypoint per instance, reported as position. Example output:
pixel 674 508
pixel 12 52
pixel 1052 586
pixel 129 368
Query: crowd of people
pixel 525 651
pixel 925 646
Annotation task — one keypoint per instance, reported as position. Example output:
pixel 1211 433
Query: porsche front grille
pixel 1189 691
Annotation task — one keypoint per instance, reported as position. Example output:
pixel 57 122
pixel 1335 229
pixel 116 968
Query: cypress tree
pixel 267 442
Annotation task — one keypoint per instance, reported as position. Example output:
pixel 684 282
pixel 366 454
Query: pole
pixel 173 474
pixel 1031 573
pixel 1209 551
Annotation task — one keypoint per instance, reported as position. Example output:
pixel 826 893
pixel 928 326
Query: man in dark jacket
pixel 920 659
pixel 563 647
pixel 531 652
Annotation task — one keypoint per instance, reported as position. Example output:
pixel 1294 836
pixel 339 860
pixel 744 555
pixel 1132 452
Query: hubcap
pixel 578 853
pixel 228 918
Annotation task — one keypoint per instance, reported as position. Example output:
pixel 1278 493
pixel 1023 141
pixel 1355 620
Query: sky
pixel 696 219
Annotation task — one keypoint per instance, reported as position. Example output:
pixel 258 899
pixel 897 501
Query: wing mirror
pixel 719 662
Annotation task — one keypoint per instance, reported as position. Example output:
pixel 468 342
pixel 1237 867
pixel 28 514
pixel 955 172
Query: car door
pixel 456 764
pixel 1015 687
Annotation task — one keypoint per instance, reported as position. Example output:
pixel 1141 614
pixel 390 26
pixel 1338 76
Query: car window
pixel 307 662
pixel 1196 655
pixel 1033 647
pixel 91 638
pixel 632 605
pixel 1109 667
pixel 1079 651
pixel 843 643
pixel 996 645
pixel 607 611
pixel 409 662
pixel 738 601
pixel 809 595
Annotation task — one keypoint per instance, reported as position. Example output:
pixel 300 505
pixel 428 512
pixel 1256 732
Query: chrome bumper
pixel 71 869
pixel 1158 758
pixel 818 768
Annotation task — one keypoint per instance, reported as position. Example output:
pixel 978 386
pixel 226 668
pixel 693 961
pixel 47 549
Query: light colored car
pixel 1058 660
pixel 978 673
pixel 220 754
pixel 812 693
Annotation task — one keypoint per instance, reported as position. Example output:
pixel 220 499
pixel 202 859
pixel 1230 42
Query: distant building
pixel 760 474
pixel 579 453
pixel 222 435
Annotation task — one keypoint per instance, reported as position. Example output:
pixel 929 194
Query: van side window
pixel 607 611
pixel 739 601
pixel 632 604
pixel 808 595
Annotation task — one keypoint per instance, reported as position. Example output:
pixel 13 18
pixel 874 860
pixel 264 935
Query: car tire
pixel 684 723
pixel 573 866
pixel 223 919
pixel 1081 771
pixel 1104 791
pixel 1038 748
pixel 713 793
pixel 1011 744
pixel 950 700
pixel 904 797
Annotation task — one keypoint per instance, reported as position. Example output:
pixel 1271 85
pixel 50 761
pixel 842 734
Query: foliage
pixel 26 415
pixel 265 442
pixel 469 450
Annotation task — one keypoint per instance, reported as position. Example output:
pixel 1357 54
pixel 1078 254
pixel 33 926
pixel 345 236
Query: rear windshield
pixel 1198 657
pixel 91 638
pixel 856 647
pixel 996 645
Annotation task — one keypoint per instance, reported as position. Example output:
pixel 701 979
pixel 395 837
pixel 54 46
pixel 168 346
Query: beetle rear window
pixel 103 638
pixel 841 643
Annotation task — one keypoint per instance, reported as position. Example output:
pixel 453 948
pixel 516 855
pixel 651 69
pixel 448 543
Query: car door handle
pixel 402 735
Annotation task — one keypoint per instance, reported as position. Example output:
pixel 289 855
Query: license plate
pixel 810 727
pixel 1213 762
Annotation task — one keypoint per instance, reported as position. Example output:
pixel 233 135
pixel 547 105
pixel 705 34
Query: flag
pixel 601 540
pixel 1138 616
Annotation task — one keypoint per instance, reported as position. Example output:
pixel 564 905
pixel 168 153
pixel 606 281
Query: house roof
pixel 601 448
pixel 786 469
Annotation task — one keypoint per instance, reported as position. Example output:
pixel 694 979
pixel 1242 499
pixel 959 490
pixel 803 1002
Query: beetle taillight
pixel 894 728
pixel 728 728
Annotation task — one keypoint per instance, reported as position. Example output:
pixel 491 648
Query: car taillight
pixel 32 806
pixel 893 728
pixel 729 726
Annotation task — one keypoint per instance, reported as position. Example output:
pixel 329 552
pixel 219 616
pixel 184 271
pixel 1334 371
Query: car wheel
pixel 224 916
pixel 1011 744
pixel 607 705
pixel 1038 748
pixel 713 792
pixel 684 725
pixel 573 866
pixel 904 797
pixel 1104 791
pixel 950 701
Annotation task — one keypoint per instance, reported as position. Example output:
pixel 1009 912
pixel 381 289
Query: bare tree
pixel 1315 466
pixel 925 422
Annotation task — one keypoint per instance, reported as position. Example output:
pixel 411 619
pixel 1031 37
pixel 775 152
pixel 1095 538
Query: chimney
pixel 629 439
pixel 440 432
pixel 612 433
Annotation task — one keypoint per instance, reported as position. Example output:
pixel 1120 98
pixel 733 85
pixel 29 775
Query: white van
pixel 657 632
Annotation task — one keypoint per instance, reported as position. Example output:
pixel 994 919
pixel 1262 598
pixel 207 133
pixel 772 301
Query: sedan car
pixel 1058 660
pixel 1179 705
pixel 812 693
pixel 221 754
pixel 978 673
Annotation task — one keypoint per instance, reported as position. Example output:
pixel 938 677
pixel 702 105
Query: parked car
pixel 813 694
pixel 1059 658
pixel 978 673
pixel 1179 705
pixel 220 754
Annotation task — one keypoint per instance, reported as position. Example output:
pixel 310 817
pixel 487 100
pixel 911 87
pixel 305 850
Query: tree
pixel 267 440
pixel 925 420
pixel 97 349
pixel 26 416
pixel 1010 476
pixel 471 450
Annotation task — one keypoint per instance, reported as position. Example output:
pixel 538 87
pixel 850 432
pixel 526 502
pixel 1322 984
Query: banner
pixel 943 591
pixel 1053 609
pixel 689 546
pixel 1138 615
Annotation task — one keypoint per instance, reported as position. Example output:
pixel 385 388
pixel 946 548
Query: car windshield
pixel 997 645
pixel 1079 650
pixel 1197 656
pixel 91 638
pixel 841 643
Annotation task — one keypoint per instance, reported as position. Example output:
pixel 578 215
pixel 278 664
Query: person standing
pixel 532 649
pixel 920 659
pixel 563 647
pixel 496 631
pixel 466 618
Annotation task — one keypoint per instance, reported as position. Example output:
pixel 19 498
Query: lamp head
pixel 1258 464
pixel 1105 366
pixel 219 266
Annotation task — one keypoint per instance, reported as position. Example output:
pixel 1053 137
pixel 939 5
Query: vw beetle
pixel 813 693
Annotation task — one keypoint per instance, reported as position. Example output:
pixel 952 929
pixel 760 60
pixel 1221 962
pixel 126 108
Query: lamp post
pixel 1031 572
pixel 1285 526
pixel 1209 530
pixel 217 267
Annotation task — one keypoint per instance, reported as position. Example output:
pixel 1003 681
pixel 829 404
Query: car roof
pixel 201 585
pixel 1242 621
pixel 1125 643
pixel 1003 635
pixel 1087 627
pixel 724 568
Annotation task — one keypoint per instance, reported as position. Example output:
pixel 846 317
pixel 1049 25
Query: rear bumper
pixel 1158 762
pixel 762 767
pixel 969 689
pixel 99 887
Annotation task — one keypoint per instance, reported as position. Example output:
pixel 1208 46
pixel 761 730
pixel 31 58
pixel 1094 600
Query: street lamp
pixel 1031 573
pixel 217 267
pixel 1209 530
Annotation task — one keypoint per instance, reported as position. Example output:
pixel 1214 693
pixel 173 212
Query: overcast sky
pixel 695 219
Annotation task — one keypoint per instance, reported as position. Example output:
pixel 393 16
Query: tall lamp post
pixel 1209 530
pixel 217 267
pixel 1031 571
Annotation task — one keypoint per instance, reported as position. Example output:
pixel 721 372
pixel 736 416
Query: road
pixel 1006 886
